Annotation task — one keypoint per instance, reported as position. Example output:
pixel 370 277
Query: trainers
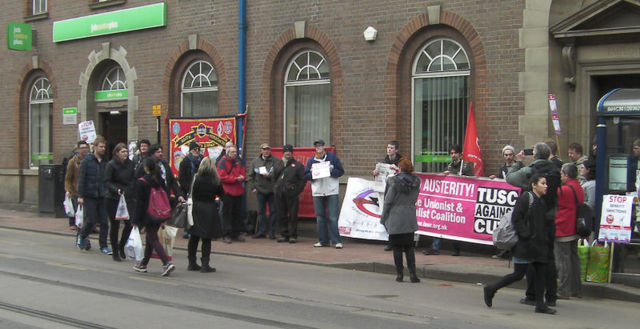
pixel 140 268
pixel 80 242
pixel 339 245
pixel 527 301
pixel 293 240
pixel 283 239
pixel 166 269
pixel 226 239
pixel 319 244
pixel 106 250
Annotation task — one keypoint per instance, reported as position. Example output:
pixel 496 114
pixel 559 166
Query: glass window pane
pixel 435 65
pixel 434 49
pixel 40 134
pixel 200 104
pixel 308 110
pixel 448 64
pixel 461 61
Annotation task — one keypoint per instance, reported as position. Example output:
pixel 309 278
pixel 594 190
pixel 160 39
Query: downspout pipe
pixel 242 58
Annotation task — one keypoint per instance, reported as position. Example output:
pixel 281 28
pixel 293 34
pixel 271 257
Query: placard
pixel 87 131
pixel 615 221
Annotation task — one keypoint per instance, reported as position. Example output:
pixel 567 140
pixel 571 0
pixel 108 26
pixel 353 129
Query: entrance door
pixel 114 129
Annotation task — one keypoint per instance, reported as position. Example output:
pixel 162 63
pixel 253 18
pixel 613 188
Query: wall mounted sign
pixel 69 116
pixel 119 21
pixel 111 95
pixel 19 36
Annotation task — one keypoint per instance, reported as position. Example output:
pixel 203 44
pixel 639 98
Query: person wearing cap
pixel 189 167
pixel 261 179
pixel 325 195
pixel 290 182
pixel 508 152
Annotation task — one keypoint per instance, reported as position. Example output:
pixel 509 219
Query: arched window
pixel 307 94
pixel 114 80
pixel 40 123
pixel 440 80
pixel 200 90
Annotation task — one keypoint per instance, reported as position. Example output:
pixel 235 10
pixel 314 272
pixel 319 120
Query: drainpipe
pixel 242 57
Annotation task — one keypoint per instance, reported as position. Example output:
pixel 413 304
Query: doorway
pixel 113 127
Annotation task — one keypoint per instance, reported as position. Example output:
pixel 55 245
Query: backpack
pixel 505 236
pixel 159 208
pixel 584 217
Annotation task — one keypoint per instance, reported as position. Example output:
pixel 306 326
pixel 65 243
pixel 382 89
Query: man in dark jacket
pixel 91 193
pixel 519 175
pixel 289 184
pixel 174 193
pixel 143 149
pixel 189 167
pixel 261 178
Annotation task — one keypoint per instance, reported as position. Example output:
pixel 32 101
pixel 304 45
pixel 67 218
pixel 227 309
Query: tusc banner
pixel 210 133
pixel 463 208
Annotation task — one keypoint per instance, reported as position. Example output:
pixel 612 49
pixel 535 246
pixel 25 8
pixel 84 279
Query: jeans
pixel 95 212
pixel 331 203
pixel 263 199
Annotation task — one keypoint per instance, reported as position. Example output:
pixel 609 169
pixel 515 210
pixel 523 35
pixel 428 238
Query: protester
pixel 392 159
pixel 232 174
pixel 588 171
pixel 633 164
pixel 457 166
pixel 566 246
pixel 206 221
pixel 554 154
pixel 508 153
pixel 151 178
pixel 325 195
pixel 71 178
pixel 535 233
pixel 170 183
pixel 143 152
pixel 399 217
pixel 576 155
pixel 519 175
pixel 119 180
pixel 91 193
pixel 289 184
pixel 261 180
pixel 188 168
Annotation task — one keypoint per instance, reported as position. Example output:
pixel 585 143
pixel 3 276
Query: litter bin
pixel 51 189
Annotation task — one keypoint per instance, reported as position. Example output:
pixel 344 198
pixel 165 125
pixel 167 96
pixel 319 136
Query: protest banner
pixel 87 131
pixel 360 212
pixel 615 222
pixel 210 133
pixel 463 208
pixel 303 154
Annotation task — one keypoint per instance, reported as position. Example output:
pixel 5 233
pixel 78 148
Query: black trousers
pixel 551 282
pixel 287 215
pixel 519 270
pixel 403 243
pixel 111 206
pixel 192 249
pixel 231 213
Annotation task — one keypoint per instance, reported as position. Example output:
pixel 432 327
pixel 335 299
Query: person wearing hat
pixel 290 182
pixel 508 152
pixel 188 168
pixel 261 178
pixel 325 195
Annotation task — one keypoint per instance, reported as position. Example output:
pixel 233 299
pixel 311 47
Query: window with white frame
pixel 307 95
pixel 200 90
pixel 114 79
pixel 40 123
pixel 38 7
pixel 440 80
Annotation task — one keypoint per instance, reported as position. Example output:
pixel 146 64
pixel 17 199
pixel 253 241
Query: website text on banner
pixel 360 212
pixel 210 133
pixel 463 208
pixel 305 200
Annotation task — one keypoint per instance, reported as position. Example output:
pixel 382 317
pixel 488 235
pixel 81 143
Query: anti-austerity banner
pixel 448 206
pixel 615 222
pixel 210 133
pixel 302 154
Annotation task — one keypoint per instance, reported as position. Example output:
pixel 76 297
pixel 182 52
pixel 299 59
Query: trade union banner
pixel 448 206
pixel 210 133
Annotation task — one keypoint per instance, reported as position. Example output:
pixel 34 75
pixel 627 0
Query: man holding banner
pixel 392 159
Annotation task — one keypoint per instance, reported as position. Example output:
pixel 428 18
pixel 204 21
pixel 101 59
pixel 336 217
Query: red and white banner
pixel 553 107
pixel 210 133
pixel 302 154
pixel 471 149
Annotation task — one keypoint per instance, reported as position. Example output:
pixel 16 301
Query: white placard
pixel 615 222
pixel 360 213
pixel 87 131
pixel 321 170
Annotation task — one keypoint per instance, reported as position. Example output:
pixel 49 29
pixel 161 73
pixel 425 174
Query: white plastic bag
pixel 167 236
pixel 68 206
pixel 133 248
pixel 79 216
pixel 122 213
pixel 189 212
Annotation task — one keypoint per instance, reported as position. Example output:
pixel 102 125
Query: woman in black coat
pixel 206 219
pixel 535 236
pixel 119 180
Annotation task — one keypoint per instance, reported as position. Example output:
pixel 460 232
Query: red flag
pixel 471 149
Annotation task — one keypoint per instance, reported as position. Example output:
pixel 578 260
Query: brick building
pixel 310 73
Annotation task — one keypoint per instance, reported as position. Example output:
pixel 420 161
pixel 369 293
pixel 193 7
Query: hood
pixel 407 182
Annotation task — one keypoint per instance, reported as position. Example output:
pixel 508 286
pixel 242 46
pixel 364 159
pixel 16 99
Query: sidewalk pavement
pixel 356 255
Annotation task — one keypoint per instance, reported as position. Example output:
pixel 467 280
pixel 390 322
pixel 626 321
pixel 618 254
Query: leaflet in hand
pixel 321 170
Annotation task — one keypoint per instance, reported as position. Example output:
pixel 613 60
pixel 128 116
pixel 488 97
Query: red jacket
pixel 229 170
pixel 567 207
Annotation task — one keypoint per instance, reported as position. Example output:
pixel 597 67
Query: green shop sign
pixel 109 95
pixel 19 36
pixel 432 158
pixel 144 17
pixel 41 156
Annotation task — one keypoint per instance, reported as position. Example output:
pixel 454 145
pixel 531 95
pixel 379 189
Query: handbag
pixel 584 216
pixel 178 216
